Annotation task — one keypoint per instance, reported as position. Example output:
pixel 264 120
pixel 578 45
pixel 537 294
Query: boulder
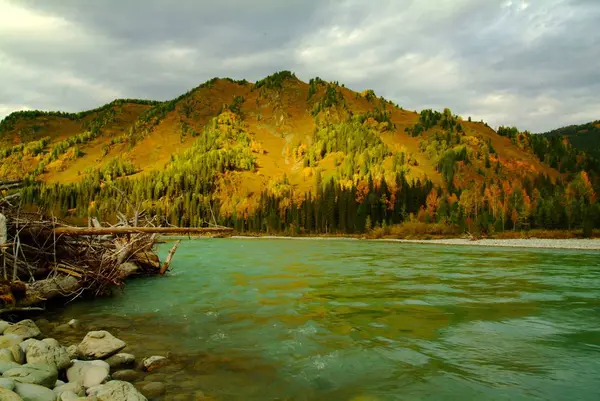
pixel 7 383
pixel 154 362
pixel 116 390
pixel 88 373
pixel 74 323
pixel 7 365
pixel 8 340
pixel 33 373
pixel 25 328
pixel 3 326
pixel 34 392
pixel 127 375
pixel 99 344
pixel 48 352
pixel 153 389
pixel 121 360
pixel 9 395
pixel 6 355
pixel 18 354
pixel 74 387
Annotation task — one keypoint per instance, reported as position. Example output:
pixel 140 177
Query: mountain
pixel 585 137
pixel 282 155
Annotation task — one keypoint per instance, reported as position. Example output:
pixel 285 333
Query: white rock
pixel 68 396
pixel 116 390
pixel 100 344
pixel 25 344
pixel 74 323
pixel 88 373
pixel 73 387
pixel 25 328
pixel 48 352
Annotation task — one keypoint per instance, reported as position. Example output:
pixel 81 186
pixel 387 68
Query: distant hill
pixel 285 155
pixel 585 137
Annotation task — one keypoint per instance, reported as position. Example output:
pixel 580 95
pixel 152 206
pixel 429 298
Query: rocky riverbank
pixel 35 368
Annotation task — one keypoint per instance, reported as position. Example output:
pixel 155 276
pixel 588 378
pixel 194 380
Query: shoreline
pixel 537 243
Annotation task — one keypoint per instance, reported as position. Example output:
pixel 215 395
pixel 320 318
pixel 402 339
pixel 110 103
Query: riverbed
pixel 361 320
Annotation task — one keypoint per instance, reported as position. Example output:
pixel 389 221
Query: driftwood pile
pixel 42 258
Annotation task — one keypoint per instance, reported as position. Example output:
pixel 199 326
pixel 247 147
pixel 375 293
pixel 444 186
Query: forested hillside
pixel 284 156
pixel 585 137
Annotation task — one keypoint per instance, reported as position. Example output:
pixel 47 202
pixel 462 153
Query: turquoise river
pixel 268 319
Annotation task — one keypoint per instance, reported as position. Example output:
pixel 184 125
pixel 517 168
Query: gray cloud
pixel 531 64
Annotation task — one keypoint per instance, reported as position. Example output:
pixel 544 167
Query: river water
pixel 266 319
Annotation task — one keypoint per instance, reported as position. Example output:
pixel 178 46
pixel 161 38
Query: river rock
pixel 17 354
pixel 153 389
pixel 74 387
pixel 116 390
pixel 25 344
pixel 62 328
pixel 100 344
pixel 9 395
pixel 25 328
pixel 33 373
pixel 74 323
pixel 72 351
pixel 6 355
pixel 127 375
pixel 3 326
pixel 68 396
pixel 49 352
pixel 8 340
pixel 34 392
pixel 121 360
pixel 7 383
pixel 153 362
pixel 7 365
pixel 88 373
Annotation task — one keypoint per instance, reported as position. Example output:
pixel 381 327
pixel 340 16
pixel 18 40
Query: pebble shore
pixel 34 368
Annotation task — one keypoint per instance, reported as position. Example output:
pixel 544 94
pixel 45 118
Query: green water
pixel 341 320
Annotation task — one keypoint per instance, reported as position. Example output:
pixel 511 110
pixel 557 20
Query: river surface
pixel 257 319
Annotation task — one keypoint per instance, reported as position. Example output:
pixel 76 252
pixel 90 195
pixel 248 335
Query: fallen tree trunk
pixel 75 231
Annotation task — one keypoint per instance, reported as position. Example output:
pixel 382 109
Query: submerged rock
pixel 88 373
pixel 153 389
pixel 25 328
pixel 121 360
pixel 99 344
pixel 9 395
pixel 127 375
pixel 33 373
pixel 34 392
pixel 154 362
pixel 116 390
pixel 48 352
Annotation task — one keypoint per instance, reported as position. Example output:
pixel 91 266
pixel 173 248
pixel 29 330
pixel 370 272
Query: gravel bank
pixel 587 244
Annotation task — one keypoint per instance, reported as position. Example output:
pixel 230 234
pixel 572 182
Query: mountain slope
pixel 241 148
pixel 585 137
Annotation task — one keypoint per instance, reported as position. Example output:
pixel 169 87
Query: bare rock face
pixel 25 329
pixel 48 352
pixel 116 390
pixel 99 344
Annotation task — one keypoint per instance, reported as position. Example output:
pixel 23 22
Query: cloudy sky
pixel 530 63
